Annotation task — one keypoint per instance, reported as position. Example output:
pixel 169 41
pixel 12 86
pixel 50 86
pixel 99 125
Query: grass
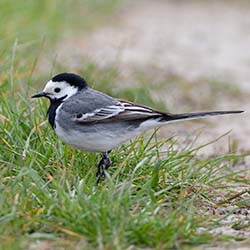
pixel 158 192
pixel 155 196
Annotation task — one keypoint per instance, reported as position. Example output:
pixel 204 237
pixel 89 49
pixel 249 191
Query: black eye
pixel 57 90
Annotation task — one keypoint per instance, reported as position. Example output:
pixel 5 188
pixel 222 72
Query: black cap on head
pixel 72 79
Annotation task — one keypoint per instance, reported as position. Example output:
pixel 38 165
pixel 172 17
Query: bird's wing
pixel 121 111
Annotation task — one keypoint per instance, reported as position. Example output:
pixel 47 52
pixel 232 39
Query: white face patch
pixel 56 90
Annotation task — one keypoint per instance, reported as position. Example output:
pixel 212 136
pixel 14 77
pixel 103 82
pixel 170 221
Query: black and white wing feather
pixel 129 111
pixel 121 111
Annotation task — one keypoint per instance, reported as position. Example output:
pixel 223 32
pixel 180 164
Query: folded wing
pixel 122 111
pixel 127 111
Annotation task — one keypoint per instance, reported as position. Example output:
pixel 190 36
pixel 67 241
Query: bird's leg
pixel 100 171
pixel 105 161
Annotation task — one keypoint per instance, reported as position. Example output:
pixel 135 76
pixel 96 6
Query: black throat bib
pixel 54 104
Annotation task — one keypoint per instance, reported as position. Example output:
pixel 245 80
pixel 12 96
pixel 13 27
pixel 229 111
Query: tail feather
pixel 190 116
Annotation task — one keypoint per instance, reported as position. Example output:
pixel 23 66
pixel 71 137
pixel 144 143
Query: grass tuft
pixel 155 195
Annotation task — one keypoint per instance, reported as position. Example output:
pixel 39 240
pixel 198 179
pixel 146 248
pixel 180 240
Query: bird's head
pixel 62 86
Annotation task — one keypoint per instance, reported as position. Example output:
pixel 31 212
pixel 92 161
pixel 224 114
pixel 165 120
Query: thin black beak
pixel 42 94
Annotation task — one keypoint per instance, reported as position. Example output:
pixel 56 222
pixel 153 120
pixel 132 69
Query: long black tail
pixel 190 116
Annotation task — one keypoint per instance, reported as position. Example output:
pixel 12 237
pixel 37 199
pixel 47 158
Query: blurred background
pixel 180 56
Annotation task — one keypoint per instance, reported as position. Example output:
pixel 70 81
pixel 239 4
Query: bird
pixel 93 121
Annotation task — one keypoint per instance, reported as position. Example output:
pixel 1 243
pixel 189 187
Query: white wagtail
pixel 92 121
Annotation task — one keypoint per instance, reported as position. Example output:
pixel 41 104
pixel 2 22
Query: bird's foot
pixel 100 174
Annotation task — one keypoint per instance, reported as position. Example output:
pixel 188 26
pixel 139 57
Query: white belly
pixel 94 142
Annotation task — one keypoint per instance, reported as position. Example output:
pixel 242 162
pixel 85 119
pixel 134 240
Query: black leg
pixel 100 171
pixel 105 161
